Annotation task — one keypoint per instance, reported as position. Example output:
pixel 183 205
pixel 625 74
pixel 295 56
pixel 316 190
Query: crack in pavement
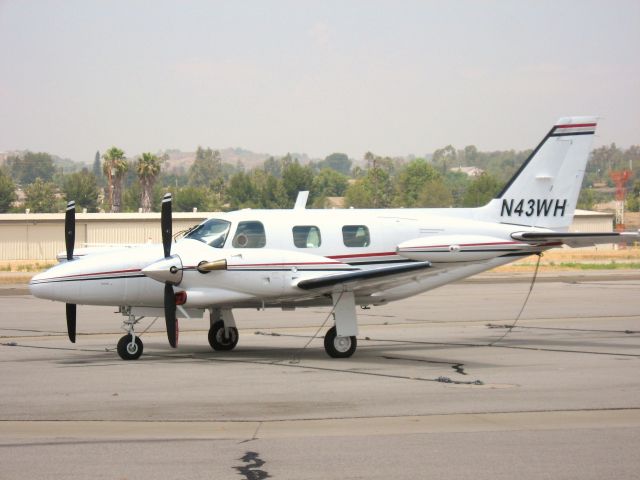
pixel 458 367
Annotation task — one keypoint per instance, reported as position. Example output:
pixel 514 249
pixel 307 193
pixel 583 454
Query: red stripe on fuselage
pixel 578 125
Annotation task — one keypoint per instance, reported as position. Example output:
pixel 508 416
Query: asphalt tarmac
pixel 435 390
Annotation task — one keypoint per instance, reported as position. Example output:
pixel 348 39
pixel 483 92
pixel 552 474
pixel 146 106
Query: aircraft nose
pixel 33 287
pixel 41 286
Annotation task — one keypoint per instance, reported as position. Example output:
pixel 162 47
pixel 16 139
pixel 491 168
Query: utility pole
pixel 620 178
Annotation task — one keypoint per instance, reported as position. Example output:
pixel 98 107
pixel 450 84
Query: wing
pixel 366 281
pixel 577 239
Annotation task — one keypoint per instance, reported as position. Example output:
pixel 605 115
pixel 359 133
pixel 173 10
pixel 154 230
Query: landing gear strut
pixel 130 347
pixel 340 341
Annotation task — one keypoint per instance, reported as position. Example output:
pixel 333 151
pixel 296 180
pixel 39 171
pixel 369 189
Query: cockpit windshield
pixel 212 232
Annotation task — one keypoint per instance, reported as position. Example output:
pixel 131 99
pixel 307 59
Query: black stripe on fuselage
pixel 117 277
pixel 468 251
pixel 289 269
pixel 84 279
pixel 572 134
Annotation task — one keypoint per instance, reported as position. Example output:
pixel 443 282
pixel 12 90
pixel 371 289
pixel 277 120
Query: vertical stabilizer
pixel 544 191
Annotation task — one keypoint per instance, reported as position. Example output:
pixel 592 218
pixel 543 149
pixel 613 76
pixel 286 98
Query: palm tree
pixel 148 169
pixel 115 166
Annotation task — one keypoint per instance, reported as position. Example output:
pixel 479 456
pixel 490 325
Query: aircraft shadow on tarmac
pixel 372 355
pixel 429 360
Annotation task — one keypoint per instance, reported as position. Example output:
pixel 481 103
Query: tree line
pixel 116 183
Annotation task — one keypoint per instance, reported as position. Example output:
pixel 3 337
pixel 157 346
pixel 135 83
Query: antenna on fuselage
pixel 301 201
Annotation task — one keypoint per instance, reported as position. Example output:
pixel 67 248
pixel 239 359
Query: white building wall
pixel 40 237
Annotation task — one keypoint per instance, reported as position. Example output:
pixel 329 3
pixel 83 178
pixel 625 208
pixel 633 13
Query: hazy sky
pixel 394 77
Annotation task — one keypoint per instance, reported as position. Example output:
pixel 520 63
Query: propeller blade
pixel 70 240
pixel 169 294
pixel 70 228
pixel 170 314
pixel 165 224
pixel 71 321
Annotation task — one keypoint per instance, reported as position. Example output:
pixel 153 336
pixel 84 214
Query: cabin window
pixel 306 236
pixel 249 235
pixel 355 236
pixel 212 232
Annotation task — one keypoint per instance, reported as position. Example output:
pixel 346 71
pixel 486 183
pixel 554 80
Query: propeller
pixel 69 240
pixel 169 293
pixel 170 314
pixel 71 321
pixel 70 228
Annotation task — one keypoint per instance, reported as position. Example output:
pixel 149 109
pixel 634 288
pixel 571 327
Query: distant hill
pixel 66 164
pixel 179 162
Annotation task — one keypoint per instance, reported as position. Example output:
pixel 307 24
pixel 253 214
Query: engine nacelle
pixel 458 248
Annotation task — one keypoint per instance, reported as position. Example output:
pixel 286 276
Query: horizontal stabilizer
pixel 585 239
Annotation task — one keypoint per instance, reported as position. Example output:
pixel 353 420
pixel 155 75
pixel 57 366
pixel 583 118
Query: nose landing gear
pixel 130 347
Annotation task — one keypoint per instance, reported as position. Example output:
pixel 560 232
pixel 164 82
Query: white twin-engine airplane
pixel 340 258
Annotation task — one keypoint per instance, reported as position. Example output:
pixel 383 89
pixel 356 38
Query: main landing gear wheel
pixel 221 340
pixel 339 347
pixel 128 349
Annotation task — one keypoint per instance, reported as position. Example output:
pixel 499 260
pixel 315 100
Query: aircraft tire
pixel 217 340
pixel 127 351
pixel 339 347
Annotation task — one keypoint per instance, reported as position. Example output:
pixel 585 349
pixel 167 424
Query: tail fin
pixel 544 191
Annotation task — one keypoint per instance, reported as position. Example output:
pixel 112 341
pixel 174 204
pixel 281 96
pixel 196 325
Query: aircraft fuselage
pixel 288 246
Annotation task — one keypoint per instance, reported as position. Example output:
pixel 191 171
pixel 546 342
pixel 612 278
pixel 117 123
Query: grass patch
pixel 594 259
pixel 600 266
pixel 26 267
pixel 553 266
